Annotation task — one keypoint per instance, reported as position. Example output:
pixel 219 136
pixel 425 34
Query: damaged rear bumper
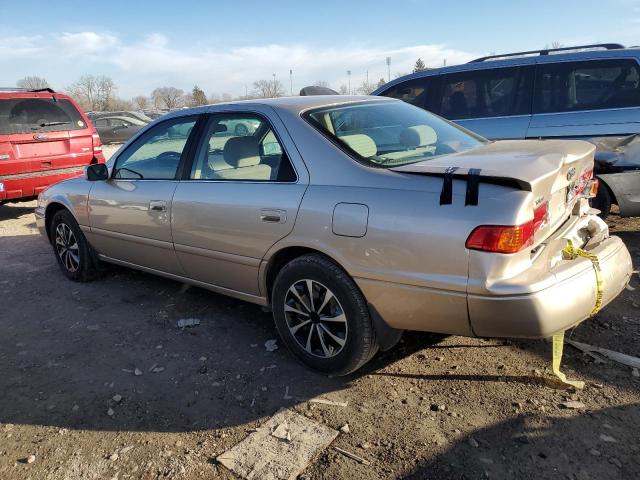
pixel 567 300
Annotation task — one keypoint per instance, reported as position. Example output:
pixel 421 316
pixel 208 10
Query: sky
pixel 224 46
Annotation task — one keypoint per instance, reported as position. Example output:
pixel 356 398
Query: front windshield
pixel 390 134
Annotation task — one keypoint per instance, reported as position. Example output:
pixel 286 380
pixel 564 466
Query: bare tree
pixel 268 89
pixel 167 97
pixel 381 82
pixel 366 88
pixel 554 44
pixel 322 83
pixel 343 90
pixel 94 92
pixel 140 102
pixel 227 97
pixel 32 83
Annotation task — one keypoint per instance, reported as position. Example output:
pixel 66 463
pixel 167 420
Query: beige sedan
pixel 353 218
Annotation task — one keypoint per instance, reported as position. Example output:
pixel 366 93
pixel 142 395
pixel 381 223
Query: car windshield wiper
pixel 51 124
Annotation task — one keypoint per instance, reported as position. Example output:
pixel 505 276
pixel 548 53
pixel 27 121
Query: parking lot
pixel 99 381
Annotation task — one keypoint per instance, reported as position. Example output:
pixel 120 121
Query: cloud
pixel 140 65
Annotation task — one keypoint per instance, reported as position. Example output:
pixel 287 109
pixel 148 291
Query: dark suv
pixel 44 138
pixel 590 92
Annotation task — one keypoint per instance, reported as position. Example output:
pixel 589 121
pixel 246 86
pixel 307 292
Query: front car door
pixel 130 213
pixel 240 196
pixel 493 102
pixel 586 98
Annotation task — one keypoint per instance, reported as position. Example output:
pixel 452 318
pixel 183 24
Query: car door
pixel 104 130
pixel 493 102
pixel 240 196
pixel 586 98
pixel 130 213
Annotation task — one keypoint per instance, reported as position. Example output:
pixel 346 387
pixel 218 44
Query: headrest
pixel 242 152
pixel 418 136
pixel 362 144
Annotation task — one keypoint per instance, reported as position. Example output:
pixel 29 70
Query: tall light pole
pixel 275 89
pixel 389 68
pixel 349 76
pixel 291 81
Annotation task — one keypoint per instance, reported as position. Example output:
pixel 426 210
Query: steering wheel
pixel 167 157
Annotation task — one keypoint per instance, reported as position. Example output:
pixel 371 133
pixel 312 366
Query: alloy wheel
pixel 67 247
pixel 315 318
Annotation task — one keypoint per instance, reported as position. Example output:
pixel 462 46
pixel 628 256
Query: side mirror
pixel 96 172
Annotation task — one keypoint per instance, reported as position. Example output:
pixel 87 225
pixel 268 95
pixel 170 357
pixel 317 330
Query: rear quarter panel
pixel 412 264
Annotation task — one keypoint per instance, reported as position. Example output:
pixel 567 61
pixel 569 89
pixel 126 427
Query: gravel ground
pixel 98 382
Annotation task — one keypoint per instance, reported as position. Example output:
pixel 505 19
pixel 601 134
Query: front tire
pixel 72 250
pixel 322 316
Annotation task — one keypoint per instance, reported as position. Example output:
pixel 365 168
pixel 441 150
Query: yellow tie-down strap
pixel 558 340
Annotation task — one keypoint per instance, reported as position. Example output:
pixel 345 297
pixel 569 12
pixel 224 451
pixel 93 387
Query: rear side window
pixel 588 85
pixel 413 92
pixel 34 115
pixel 485 93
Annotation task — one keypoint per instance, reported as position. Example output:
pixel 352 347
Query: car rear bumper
pixel 566 302
pixel 26 185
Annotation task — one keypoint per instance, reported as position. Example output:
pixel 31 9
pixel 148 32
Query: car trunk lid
pixel 556 172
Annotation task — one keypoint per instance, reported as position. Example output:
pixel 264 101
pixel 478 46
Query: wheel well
pixel 284 256
pixel 51 210
pixel 611 194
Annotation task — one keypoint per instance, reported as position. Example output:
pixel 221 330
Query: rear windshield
pixel 27 115
pixel 390 134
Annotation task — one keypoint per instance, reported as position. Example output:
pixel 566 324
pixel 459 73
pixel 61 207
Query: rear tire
pixel 76 258
pixel 602 201
pixel 329 329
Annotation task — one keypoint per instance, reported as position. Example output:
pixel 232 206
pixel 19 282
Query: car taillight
pixel 97 143
pixel 540 216
pixel 593 187
pixel 501 238
pixel 508 238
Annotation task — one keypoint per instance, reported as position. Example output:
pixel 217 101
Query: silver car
pixel 353 218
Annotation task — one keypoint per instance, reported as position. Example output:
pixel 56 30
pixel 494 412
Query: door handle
pixel 158 206
pixel 273 216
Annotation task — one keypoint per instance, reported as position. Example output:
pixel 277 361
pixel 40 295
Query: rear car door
pixel 130 213
pixel 586 98
pixel 493 102
pixel 240 197
pixel 41 135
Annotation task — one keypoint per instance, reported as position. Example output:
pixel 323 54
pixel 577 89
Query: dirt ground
pixel 98 382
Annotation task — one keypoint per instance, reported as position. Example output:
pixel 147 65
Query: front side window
pixel 390 134
pixel 479 94
pixel 156 155
pixel 413 92
pixel 588 85
pixel 241 147
pixel 36 115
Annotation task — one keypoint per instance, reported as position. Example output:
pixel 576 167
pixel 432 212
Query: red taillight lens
pixel 97 143
pixel 540 216
pixel 501 238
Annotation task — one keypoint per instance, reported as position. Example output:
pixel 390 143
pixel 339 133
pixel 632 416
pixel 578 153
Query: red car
pixel 44 138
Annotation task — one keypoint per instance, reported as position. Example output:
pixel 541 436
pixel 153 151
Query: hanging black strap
pixel 446 195
pixel 473 182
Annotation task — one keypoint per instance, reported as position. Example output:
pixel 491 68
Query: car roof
pixel 294 105
pixel 11 92
pixel 497 61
